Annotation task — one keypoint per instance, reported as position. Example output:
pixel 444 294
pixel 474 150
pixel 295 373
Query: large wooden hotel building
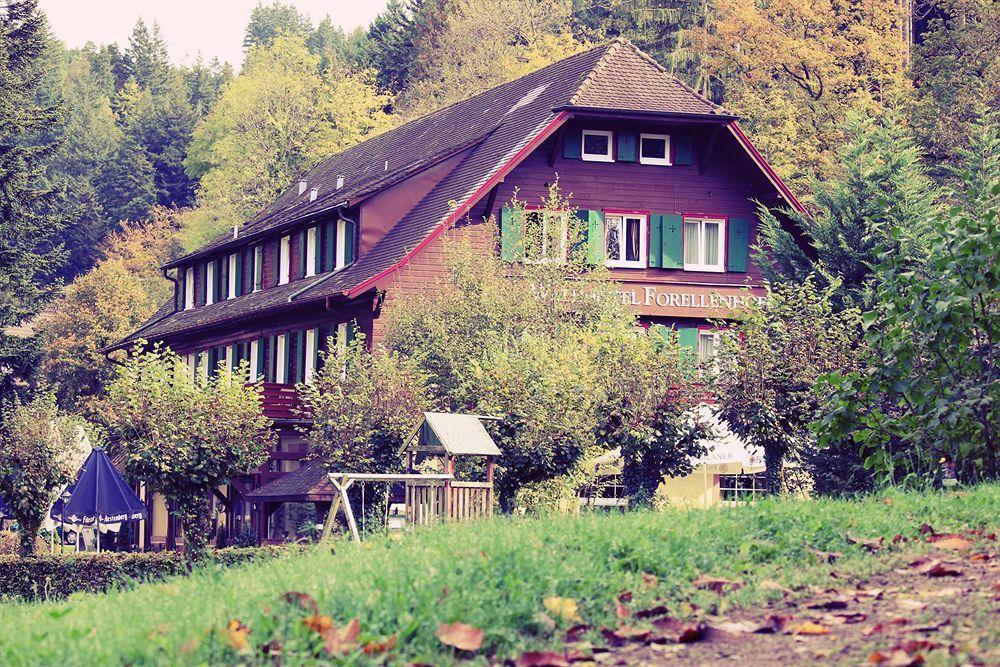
pixel 666 178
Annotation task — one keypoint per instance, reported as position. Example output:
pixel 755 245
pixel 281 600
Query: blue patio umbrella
pixel 100 496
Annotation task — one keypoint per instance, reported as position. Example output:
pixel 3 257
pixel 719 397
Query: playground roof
pixel 452 434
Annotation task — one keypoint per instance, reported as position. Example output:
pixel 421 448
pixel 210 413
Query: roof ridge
pixel 645 56
pixel 585 83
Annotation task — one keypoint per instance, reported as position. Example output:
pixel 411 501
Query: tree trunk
pixel 29 532
pixel 195 515
pixel 774 459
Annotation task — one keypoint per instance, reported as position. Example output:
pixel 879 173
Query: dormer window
pixel 285 260
pixel 596 146
pixel 654 149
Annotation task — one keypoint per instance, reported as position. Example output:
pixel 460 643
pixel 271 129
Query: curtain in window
pixel 613 243
pixel 711 243
pixel 633 229
pixel 692 246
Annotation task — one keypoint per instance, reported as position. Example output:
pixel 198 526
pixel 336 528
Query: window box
pixel 704 244
pixel 596 146
pixel 625 240
pixel 654 149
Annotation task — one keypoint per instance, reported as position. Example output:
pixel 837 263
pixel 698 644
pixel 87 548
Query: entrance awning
pixel 309 484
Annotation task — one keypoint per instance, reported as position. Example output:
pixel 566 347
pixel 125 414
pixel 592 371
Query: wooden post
pixel 331 516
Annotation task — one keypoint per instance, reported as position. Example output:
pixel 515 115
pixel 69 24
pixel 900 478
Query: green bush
pixel 46 576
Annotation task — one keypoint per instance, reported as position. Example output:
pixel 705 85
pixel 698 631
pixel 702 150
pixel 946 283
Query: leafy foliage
pixel 883 182
pixel 39 453
pixel 929 387
pixel 185 435
pixel 770 361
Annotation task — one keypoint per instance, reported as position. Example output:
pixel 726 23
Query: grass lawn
pixel 492 575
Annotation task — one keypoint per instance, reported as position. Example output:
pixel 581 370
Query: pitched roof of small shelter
pixel 310 483
pixel 453 434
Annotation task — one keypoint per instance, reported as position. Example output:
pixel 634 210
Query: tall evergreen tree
pixel 27 227
pixel 392 51
pixel 269 21
pixel 146 59
pixel 884 184
pixel 127 185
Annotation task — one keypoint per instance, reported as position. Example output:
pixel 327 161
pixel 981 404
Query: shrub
pixel 47 576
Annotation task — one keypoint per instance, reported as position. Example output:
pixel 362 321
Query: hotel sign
pixel 689 300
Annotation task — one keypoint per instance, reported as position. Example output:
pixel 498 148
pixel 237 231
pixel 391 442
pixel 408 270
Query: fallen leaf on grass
pixel 824 556
pixel 679 632
pixel 303 600
pixel 624 634
pixel 378 648
pixel 830 605
pixel 874 593
pixel 621 611
pixel 808 628
pixel 340 641
pixel 873 630
pixel 772 625
pixel 576 632
pixel 931 627
pixel 939 569
pixel 236 635
pixel 541 659
pixel 318 623
pixel 652 612
pixel 649 580
pixel 953 542
pixel 910 604
pixel 716 584
pixel 460 635
pixel 926 529
pixel 564 608
pixel 873 545
pixel 981 557
pixel 898 658
pixel 850 617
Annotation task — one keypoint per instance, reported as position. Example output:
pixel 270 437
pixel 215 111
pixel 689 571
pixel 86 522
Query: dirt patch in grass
pixel 936 603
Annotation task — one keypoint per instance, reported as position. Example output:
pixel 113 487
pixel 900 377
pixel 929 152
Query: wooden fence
pixel 431 501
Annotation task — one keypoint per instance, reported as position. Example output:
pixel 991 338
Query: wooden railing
pixel 280 401
pixel 431 501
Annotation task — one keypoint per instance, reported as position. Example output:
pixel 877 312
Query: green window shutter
pixel 213 361
pixel 352 330
pixel 260 361
pixel 738 246
pixel 683 149
pixel 240 257
pixel 672 242
pixel 511 234
pixel 628 147
pixel 349 235
pixel 329 245
pixel 270 371
pixel 688 337
pixel 221 278
pixel 594 225
pixel 572 144
pixel 655 240
pixel 300 355
pixel 289 359
pixel 318 250
pixel 317 339
pixel 303 236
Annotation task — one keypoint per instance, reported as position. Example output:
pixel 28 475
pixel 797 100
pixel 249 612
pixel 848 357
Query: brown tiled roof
pixel 307 484
pixel 494 126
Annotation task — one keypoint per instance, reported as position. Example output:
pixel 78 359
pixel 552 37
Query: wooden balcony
pixel 280 401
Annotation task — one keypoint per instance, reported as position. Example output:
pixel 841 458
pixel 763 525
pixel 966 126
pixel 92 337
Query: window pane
pixel 711 243
pixel 654 148
pixel 692 254
pixel 633 231
pixel 612 240
pixel 595 144
pixel 706 347
pixel 533 234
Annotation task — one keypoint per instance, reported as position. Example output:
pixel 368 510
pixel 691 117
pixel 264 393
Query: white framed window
pixel 258 267
pixel 704 244
pixel 654 149
pixel 341 259
pixel 625 240
pixel 209 283
pixel 310 368
pixel 230 357
pixel 546 236
pixel 189 288
pixel 285 260
pixel 708 345
pixel 597 146
pixel 231 287
pixel 741 489
pixel 280 367
pixel 254 353
pixel 312 235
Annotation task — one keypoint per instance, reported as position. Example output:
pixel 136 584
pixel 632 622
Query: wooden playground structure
pixel 430 497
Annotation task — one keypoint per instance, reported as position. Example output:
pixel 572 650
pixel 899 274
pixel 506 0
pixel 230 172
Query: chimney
pixel 313 194
pixel 236 231
pixel 340 181
pixel 302 187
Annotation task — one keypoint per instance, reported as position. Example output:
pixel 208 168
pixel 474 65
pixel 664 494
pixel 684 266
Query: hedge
pixel 48 577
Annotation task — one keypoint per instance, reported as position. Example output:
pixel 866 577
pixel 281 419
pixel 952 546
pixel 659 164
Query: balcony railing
pixel 280 401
